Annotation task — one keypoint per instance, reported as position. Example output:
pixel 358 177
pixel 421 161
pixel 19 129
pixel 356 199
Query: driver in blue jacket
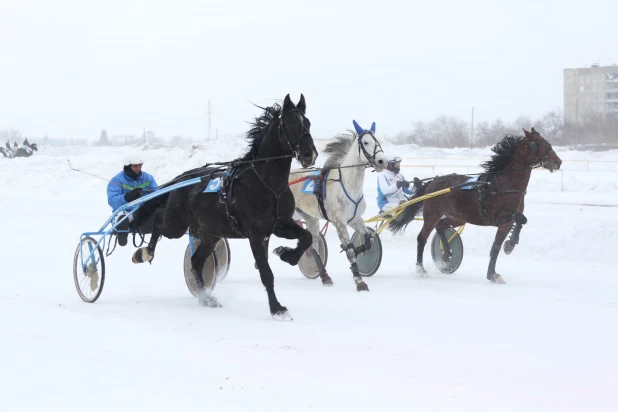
pixel 127 186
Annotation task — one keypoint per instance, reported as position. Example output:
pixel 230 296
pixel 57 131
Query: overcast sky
pixel 73 67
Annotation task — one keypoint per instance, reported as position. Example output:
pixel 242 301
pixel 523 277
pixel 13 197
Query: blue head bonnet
pixel 361 132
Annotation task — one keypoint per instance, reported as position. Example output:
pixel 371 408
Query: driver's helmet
pixel 132 159
pixel 394 160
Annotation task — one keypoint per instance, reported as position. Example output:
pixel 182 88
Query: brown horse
pixel 499 203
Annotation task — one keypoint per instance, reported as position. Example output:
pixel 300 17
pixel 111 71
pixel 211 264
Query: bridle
pixel 534 148
pixel 376 149
pixel 294 147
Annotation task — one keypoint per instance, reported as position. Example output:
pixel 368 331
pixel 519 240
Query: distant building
pixel 591 90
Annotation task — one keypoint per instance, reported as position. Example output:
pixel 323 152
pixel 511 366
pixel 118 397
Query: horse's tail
pixel 399 224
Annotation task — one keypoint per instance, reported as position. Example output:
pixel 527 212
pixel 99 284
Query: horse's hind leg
pixel 440 228
pixel 146 254
pixel 313 226
pixel 429 223
pixel 266 275
pixel 170 222
pixel 206 286
pixel 442 225
pixel 348 247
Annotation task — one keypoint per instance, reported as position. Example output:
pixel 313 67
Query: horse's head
pixel 294 133
pixel 539 151
pixel 34 147
pixel 369 148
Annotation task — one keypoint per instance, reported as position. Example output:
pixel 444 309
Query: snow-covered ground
pixel 544 341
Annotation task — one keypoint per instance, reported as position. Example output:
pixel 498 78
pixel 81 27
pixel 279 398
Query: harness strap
pixel 233 176
pixel 320 191
pixel 351 200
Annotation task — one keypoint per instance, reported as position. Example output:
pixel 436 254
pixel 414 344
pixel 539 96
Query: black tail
pixel 402 221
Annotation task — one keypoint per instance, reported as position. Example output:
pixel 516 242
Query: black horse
pixel 255 201
pixel 24 151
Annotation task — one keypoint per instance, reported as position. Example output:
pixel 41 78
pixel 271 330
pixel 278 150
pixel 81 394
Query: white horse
pixel 340 187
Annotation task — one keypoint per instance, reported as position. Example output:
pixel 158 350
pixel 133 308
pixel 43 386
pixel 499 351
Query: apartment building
pixel 590 91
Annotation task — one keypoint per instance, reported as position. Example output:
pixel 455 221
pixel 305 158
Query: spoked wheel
pixel 450 265
pixel 89 270
pixel 369 261
pixel 307 264
pixel 216 266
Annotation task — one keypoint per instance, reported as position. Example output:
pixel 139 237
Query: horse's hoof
pixel 287 255
pixel 207 299
pixel 496 278
pixel 142 255
pixel 326 280
pixel 282 315
pixel 508 247
pixel 421 271
pixel 362 287
pixel 279 251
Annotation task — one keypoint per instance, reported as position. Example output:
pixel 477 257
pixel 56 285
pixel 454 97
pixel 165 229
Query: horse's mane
pixel 339 148
pixel 259 129
pixel 504 151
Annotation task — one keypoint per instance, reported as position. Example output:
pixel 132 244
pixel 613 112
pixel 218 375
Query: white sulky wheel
pixel 369 261
pixel 307 264
pixel 88 271
pixel 456 245
pixel 215 268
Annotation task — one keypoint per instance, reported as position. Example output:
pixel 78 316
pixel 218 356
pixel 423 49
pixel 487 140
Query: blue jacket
pixel 122 184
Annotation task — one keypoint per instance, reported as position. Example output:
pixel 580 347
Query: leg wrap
pixel 354 268
pixel 520 220
pixel 359 249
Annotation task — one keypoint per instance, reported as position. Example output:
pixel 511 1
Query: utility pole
pixel 472 129
pixel 209 124
pixel 576 121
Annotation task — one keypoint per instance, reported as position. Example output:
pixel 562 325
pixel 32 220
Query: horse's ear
pixel 373 127
pixel 302 106
pixel 533 131
pixel 358 129
pixel 287 103
pixel 527 133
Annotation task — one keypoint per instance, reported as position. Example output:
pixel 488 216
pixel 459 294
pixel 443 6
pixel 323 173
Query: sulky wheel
pixel 437 253
pixel 307 264
pixel 369 261
pixel 215 268
pixel 89 270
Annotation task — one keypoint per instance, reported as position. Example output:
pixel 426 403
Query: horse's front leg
pixel 520 221
pixel 291 230
pixel 501 234
pixel 359 226
pixel 348 247
pixel 277 311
